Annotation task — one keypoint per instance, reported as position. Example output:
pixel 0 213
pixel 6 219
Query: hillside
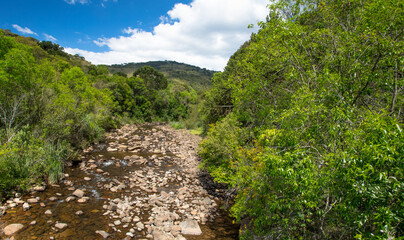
pixel 198 78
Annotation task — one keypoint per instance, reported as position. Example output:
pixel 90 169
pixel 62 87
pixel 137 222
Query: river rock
pixel 26 206
pixel 190 227
pixel 78 193
pixel 87 179
pixel 140 226
pixel 60 225
pixel 32 200
pixel 160 235
pixel 3 210
pixel 13 228
pixel 79 213
pixel 52 199
pixel 104 234
pixel 83 200
pixel 39 188
pixel 71 198
pixel 48 212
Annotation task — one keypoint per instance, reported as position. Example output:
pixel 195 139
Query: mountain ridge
pixel 198 78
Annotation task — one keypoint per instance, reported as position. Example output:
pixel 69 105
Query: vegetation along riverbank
pixel 304 126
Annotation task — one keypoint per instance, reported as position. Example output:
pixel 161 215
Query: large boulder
pixel 190 227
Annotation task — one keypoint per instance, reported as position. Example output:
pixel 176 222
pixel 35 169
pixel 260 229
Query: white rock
pixel 26 206
pixel 78 193
pixel 140 225
pixel 32 200
pixel 78 213
pixel 12 228
pixel 60 225
pixel 103 233
pixel 190 227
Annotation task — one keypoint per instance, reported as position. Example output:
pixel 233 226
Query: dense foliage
pixel 52 103
pixel 306 122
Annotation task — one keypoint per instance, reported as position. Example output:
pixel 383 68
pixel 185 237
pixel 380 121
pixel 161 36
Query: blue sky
pixel 200 32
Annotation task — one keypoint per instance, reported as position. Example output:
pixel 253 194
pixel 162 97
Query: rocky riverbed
pixel 142 183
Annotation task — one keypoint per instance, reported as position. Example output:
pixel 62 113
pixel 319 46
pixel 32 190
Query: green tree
pixel 153 79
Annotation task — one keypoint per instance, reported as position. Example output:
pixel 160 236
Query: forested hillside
pixel 197 77
pixel 53 103
pixel 306 123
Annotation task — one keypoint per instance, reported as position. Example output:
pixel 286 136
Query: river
pixel 143 182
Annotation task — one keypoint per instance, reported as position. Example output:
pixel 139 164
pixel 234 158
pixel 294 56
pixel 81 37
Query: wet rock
pixel 3 210
pixel 60 225
pixel 78 193
pixel 103 234
pixel 71 198
pixel 79 213
pixel 26 206
pixel 93 166
pixel 12 228
pixel 39 188
pixel 190 227
pixel 32 200
pixel 83 200
pixel 109 149
pixel 52 199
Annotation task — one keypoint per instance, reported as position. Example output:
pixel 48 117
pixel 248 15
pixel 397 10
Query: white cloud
pixel 49 37
pixel 72 2
pixel 24 30
pixel 204 33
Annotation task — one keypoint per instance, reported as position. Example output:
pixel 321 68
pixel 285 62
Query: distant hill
pixel 198 78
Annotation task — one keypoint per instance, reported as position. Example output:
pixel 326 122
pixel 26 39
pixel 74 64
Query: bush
pixel 29 159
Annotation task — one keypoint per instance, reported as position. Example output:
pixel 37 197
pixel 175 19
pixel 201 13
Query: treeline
pixel 52 103
pixel 196 77
pixel 306 123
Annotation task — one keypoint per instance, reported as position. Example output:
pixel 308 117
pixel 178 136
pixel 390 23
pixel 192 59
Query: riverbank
pixel 143 182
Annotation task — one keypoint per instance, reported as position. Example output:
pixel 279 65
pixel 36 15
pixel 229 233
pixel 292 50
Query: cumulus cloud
pixel 24 30
pixel 72 2
pixel 49 37
pixel 204 33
